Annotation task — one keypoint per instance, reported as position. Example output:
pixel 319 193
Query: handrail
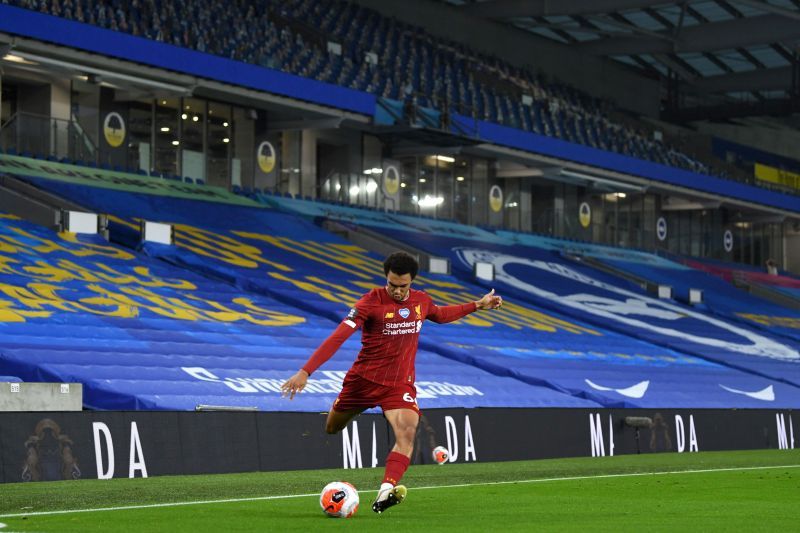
pixel 47 136
pixel 87 141
pixel 9 122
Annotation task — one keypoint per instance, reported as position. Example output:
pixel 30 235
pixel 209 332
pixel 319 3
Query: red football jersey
pixel 390 334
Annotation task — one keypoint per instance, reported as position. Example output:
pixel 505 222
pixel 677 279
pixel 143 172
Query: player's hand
pixel 294 384
pixel 489 301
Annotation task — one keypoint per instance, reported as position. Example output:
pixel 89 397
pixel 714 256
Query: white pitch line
pixel 604 476
pixel 155 505
pixel 460 485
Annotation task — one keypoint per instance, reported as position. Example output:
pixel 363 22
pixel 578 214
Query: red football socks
pixel 396 466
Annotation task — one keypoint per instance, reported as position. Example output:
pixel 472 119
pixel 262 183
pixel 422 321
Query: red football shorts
pixel 360 393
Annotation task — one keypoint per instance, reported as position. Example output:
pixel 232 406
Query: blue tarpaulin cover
pixel 566 335
pixel 141 333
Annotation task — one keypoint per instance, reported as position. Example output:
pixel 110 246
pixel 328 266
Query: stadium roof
pixel 734 49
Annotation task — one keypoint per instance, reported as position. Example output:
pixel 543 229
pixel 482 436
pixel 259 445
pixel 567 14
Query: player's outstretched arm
pixel 294 384
pixel 451 313
pixel 489 301
pixel 297 383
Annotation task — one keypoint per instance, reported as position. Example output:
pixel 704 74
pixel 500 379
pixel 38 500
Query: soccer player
pixel 383 374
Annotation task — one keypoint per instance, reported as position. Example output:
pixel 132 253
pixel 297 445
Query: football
pixel 339 499
pixel 440 455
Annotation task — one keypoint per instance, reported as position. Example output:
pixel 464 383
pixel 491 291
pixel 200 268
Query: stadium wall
pixel 84 445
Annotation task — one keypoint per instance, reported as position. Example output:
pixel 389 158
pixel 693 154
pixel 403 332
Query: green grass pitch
pixel 709 491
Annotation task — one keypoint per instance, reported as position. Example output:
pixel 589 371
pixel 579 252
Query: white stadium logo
pixel 767 394
pixel 634 391
pixel 628 305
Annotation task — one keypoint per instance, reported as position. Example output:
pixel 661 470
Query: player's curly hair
pixel 401 263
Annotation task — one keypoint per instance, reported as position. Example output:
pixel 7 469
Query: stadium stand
pixel 733 271
pixel 536 342
pixel 781 288
pixel 143 334
pixel 194 194
pixel 538 272
pixel 431 73
pixel 719 297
